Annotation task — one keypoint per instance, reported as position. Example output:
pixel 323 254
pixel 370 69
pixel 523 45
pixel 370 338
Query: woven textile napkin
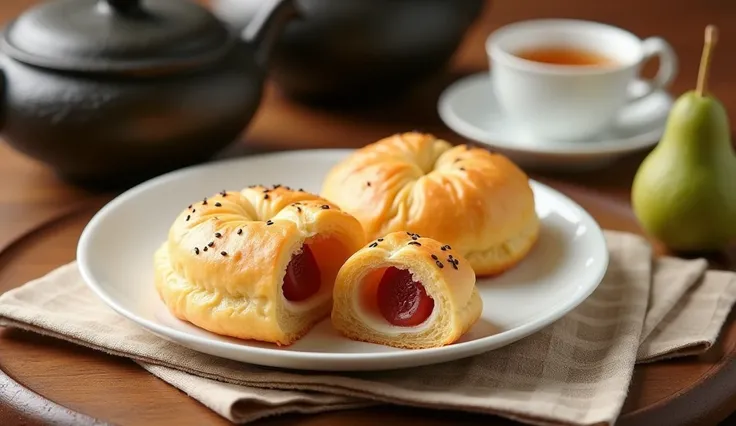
pixel 576 371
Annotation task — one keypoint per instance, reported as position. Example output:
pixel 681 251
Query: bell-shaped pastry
pixel 479 202
pixel 406 291
pixel 257 264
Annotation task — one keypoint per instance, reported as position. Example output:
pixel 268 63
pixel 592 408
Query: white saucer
pixel 115 256
pixel 470 109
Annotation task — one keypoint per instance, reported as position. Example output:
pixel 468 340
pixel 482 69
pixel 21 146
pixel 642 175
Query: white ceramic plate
pixel 469 108
pixel 116 249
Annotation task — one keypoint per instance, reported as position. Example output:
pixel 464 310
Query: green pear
pixel 684 193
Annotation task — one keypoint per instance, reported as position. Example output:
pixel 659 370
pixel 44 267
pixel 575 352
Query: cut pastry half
pixel 406 291
pixel 257 264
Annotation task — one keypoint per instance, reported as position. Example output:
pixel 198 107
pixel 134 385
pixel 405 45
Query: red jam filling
pixel 401 300
pixel 303 277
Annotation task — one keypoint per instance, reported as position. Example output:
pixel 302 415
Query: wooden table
pixel 50 382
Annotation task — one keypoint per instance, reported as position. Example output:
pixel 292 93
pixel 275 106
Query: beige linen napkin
pixel 575 371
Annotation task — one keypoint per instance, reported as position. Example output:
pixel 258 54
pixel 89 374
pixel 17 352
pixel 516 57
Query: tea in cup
pixel 567 79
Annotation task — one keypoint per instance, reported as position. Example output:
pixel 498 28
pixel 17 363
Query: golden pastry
pixel 406 291
pixel 257 264
pixel 477 201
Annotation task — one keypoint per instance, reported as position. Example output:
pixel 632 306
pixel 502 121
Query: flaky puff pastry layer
pixel 479 202
pixel 223 264
pixel 445 274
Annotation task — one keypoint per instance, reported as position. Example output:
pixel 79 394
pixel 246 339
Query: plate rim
pixel 612 147
pixel 169 333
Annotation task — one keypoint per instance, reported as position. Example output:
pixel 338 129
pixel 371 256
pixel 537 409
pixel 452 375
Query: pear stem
pixel 711 37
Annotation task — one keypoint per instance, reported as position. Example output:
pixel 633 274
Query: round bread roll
pixel 477 201
pixel 406 291
pixel 257 264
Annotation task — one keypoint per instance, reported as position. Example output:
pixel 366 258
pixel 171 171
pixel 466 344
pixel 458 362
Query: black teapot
pixel 344 51
pixel 113 92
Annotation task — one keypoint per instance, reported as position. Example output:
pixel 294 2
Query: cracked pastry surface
pixel 406 291
pixel 479 202
pixel 255 264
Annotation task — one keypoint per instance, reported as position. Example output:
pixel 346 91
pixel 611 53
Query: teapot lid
pixel 117 35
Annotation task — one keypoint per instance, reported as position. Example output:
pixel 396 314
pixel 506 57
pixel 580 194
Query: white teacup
pixel 572 102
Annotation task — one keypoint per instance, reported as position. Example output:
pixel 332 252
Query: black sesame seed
pixel 210 244
pixel 217 218
pixel 190 206
pixel 196 250
pixel 448 247
pixel 450 257
pixel 218 204
pixel 414 237
pixel 224 253
pixel 187 218
pixel 301 190
pixel 240 231
pixel 462 169
pixel 325 207
pixel 409 234
pixel 443 248
pixel 269 222
pixel 287 188
pixel 223 193
pixel 439 264
pixel 454 265
pixel 380 239
pixel 368 184
pixel 204 249
pixel 414 243
pixel 218 235
pixel 277 186
pixel 299 209
pixel 434 257
pixel 373 245
pixel 194 210
pixel 456 160
pixel 266 190
pixel 265 197
pixel 204 202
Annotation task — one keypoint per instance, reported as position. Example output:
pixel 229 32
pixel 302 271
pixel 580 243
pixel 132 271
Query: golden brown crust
pixel 445 274
pixel 223 264
pixel 477 201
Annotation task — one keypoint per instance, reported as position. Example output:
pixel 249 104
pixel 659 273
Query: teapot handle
pixel 126 7
pixel 264 29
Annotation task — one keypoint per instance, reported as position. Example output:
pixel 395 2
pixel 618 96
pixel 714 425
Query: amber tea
pixel 565 56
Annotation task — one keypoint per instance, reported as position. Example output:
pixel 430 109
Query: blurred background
pixel 356 71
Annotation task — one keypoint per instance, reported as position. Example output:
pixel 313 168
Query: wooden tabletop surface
pixel 43 381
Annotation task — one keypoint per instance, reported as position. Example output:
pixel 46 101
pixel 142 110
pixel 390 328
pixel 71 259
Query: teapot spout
pixel 264 29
